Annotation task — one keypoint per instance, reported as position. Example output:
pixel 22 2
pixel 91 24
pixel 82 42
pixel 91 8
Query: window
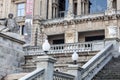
pixel 93 38
pixel 63 6
pixel 114 4
pixel 21 9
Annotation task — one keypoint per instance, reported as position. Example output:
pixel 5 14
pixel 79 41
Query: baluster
pixel 91 46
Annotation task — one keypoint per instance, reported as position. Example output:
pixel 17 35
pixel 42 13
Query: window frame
pixel 21 10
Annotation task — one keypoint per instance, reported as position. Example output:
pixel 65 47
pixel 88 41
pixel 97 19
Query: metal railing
pixel 66 48
pixel 38 74
pixel 62 76
pixel 95 64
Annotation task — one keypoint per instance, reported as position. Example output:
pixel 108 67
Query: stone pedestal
pixel 47 63
pixel 76 71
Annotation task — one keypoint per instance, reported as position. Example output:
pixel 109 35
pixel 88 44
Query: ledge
pixel 81 19
pixel 4 35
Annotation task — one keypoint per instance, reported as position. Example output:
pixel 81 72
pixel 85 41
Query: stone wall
pixel 11 55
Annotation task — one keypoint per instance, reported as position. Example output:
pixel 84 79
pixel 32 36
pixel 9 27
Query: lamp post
pixel 46 46
pixel 75 57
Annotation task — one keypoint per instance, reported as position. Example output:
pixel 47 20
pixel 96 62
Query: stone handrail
pixel 95 64
pixel 62 76
pixel 38 74
pixel 66 48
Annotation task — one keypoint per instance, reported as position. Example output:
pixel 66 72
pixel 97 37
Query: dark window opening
pixel 115 4
pixel 75 9
pixel 61 8
pixel 58 41
pixel 23 30
pixel 47 9
pixel 93 38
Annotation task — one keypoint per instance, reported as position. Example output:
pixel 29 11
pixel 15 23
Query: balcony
pixel 66 48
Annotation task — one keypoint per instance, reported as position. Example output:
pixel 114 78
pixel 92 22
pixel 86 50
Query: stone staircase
pixel 111 71
pixel 62 60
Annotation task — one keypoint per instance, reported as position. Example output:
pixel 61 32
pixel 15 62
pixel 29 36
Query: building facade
pixel 66 21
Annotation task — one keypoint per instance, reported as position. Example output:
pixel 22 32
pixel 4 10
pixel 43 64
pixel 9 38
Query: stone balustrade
pixel 62 76
pixel 95 64
pixel 66 48
pixel 38 74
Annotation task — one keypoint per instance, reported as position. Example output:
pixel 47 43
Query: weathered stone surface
pixel 11 55
pixel 63 60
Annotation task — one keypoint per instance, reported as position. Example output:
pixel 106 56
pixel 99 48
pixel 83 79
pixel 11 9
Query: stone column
pixel 70 14
pixel 20 30
pixel 36 7
pixel 83 6
pixel 53 11
pixel 47 63
pixel 76 71
pixel 78 7
pixel 110 10
pixel 70 9
pixel 44 9
pixel 109 4
pixel 50 10
pixel 76 36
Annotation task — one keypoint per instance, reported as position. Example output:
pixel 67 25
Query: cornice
pixel 79 19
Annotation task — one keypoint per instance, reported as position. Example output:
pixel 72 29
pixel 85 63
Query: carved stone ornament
pixel 112 31
pixel 110 4
pixel 10 25
pixel 70 14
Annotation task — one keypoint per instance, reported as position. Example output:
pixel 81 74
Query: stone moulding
pixel 79 19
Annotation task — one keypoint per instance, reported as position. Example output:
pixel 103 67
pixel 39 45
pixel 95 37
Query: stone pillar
pixel 47 63
pixel 53 11
pixel 70 9
pixel 50 10
pixel 20 30
pixel 115 42
pixel 76 36
pixel 78 7
pixel 83 6
pixel 44 9
pixel 37 7
pixel 109 4
pixel 76 71
pixel 70 14
pixel 110 10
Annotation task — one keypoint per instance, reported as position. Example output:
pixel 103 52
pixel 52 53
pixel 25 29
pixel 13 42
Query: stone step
pixel 15 76
pixel 110 72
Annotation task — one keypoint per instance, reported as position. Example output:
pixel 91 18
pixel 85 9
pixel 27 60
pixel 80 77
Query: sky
pixel 98 6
